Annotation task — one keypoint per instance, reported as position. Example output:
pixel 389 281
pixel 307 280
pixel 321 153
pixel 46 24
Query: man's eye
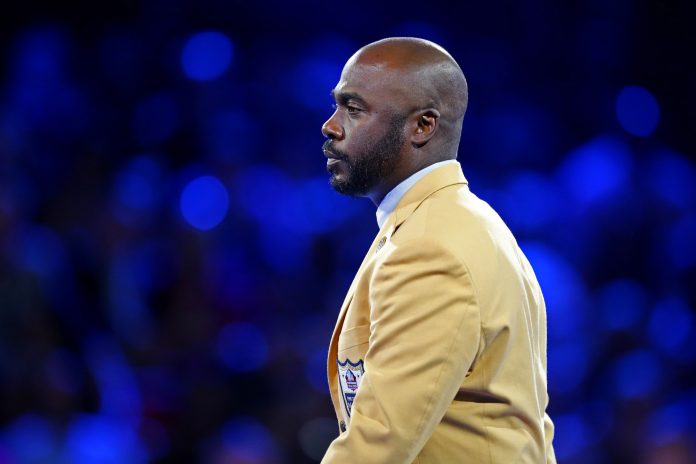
pixel 352 110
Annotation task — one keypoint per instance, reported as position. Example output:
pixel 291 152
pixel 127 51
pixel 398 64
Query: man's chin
pixel 342 186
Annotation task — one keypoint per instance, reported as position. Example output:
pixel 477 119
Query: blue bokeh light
pixel 672 178
pixel 30 438
pixel 231 135
pixel 206 55
pixel 530 202
pixel 636 374
pixel 572 435
pixel 318 72
pixel 129 313
pixel 245 439
pixel 567 366
pixel 137 190
pixel 287 252
pixel 672 421
pixel 304 206
pixel 316 371
pixel 119 394
pixel 621 304
pixel 563 291
pixel 242 347
pixel 103 439
pixel 597 170
pixel 529 133
pixel 679 243
pixel 204 202
pixel 42 252
pixel 670 325
pixel 637 110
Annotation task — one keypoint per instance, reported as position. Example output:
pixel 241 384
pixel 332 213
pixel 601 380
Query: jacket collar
pixel 444 176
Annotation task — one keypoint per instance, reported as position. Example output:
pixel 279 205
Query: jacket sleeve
pixel 424 335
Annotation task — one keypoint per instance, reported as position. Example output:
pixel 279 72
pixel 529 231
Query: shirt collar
pixel 392 199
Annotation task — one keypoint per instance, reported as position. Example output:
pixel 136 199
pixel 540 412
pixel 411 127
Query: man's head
pixel 400 103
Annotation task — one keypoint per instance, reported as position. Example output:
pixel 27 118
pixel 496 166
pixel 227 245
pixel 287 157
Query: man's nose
pixel 331 129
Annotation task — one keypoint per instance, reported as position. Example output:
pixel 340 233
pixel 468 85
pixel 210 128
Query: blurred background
pixel 172 259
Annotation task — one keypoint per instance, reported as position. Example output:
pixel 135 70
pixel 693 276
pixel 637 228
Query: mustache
pixel 329 148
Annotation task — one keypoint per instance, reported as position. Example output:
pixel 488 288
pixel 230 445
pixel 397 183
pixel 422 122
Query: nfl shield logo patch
pixel 350 375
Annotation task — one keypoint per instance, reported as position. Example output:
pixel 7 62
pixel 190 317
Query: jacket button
pixel 343 426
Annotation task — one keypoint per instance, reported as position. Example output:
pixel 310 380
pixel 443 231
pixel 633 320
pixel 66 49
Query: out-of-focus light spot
pixel 63 372
pixel 671 422
pixel 637 374
pixel 637 111
pixel 244 440
pixel 242 347
pixel 319 71
pixel 30 438
pixel 530 202
pixel 679 242
pixel 118 389
pixel 563 291
pixel 621 304
pixel 307 206
pixel 156 118
pixel 231 135
pixel 316 371
pixel 670 325
pixel 128 311
pixel 672 178
pixel 316 77
pixel 596 170
pixel 40 89
pixel 316 435
pixel 98 438
pixel 528 130
pixel 204 202
pixel 137 190
pixel 206 55
pixel 567 366
pixel 572 435
pixel 285 253
pixel 601 415
pixel 41 54
pixel 230 277
pixel 40 251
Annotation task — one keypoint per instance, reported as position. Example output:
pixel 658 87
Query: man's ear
pixel 426 124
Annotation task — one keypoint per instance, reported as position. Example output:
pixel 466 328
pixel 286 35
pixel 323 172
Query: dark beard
pixel 367 169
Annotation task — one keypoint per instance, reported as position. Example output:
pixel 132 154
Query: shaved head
pixel 400 103
pixel 426 70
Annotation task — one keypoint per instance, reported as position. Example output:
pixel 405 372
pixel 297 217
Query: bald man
pixel 439 351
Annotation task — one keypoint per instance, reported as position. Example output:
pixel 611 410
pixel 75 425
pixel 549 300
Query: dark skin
pixel 411 83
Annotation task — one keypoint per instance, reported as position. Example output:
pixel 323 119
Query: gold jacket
pixel 439 351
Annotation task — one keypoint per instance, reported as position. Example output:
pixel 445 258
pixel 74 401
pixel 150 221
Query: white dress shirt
pixel 396 194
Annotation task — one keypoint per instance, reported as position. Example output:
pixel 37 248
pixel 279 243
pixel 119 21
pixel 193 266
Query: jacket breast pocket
pixel 353 337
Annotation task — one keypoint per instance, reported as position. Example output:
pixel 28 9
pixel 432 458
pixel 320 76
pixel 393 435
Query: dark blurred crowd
pixel 172 259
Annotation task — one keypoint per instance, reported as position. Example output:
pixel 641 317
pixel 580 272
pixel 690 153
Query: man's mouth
pixel 332 161
pixel 331 155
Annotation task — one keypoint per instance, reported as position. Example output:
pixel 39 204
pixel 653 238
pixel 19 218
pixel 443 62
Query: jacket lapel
pixel 439 178
pixel 331 368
